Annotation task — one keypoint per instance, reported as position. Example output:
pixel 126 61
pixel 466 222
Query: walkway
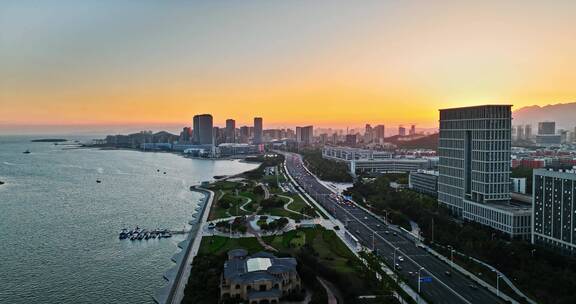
pixel 177 286
pixel 257 235
pixel 290 201
pixel 331 297
pixel 248 201
pixel 266 191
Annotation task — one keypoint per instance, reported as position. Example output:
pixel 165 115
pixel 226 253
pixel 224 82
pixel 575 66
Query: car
pixel 401 259
pixel 398 267
pixel 472 286
pixel 448 273
pixel 394 233
pixel 387 232
pixel 365 217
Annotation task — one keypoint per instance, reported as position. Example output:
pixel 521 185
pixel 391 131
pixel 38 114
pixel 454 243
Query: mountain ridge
pixel 564 114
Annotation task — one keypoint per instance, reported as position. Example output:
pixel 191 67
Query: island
pixel 50 140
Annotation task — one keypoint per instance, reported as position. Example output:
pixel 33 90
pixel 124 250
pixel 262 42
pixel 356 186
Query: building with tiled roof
pixel 260 278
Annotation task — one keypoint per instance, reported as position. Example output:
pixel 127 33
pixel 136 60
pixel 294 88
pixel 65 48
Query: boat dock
pixel 139 234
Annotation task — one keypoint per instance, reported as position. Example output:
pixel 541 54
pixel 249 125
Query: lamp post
pixel 421 268
pixel 451 256
pixel 386 217
pixel 498 276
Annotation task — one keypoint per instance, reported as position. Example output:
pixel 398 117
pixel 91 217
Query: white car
pixel 401 259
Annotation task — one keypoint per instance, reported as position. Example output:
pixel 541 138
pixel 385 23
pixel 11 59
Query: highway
pixel 443 285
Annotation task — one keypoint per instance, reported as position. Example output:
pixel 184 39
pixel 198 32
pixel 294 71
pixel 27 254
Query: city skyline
pixel 301 63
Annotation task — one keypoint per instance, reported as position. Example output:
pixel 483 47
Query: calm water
pixel 58 227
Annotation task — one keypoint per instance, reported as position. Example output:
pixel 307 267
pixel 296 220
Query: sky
pixel 106 63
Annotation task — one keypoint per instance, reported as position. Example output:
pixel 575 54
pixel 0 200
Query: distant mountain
pixel 564 114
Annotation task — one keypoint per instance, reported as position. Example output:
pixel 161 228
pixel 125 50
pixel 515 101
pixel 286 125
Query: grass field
pixel 217 245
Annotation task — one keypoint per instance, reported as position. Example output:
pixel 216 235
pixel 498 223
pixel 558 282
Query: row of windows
pixel 487 111
pixel 477 124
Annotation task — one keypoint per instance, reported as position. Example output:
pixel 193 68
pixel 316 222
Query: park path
pixel 290 201
pixel 257 235
pixel 248 201
pixel 329 293
pixel 266 191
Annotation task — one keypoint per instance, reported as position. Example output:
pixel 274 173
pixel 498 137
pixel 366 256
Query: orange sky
pixel 327 63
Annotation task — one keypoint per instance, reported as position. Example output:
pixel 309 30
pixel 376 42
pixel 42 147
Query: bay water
pixel 59 227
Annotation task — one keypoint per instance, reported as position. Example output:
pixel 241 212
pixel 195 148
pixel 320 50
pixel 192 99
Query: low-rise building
pixel 231 149
pixel 376 162
pixel 512 218
pixel 424 181
pixel 258 278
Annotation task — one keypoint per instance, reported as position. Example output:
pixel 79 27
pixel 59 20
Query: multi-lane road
pixel 441 283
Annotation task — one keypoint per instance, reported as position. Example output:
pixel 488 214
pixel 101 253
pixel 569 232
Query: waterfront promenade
pixel 173 293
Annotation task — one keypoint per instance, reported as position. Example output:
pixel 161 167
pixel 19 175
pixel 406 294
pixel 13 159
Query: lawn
pixel 234 203
pixel 217 245
pixel 297 204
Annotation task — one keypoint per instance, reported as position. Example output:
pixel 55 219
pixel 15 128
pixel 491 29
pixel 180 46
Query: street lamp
pixel 498 276
pixel 451 256
pixel 386 217
pixel 421 268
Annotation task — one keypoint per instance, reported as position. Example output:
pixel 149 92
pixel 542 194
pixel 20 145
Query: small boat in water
pixel 98 181
pixel 27 152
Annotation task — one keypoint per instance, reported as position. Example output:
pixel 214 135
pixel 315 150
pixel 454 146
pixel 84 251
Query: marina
pixel 139 234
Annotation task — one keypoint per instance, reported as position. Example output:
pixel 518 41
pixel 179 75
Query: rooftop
pixel 258 264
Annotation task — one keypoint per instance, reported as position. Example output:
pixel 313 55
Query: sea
pixel 59 227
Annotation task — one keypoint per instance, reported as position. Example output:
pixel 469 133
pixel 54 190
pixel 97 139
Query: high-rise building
pixel 257 130
pixel 203 129
pixel 335 138
pixel 412 130
pixel 547 128
pixel 547 134
pixel 351 140
pixel 304 135
pixel 185 135
pixel 554 206
pixel 244 134
pixel 230 130
pixel 563 136
pixel 520 133
pixel 401 131
pixel 474 169
pixel 219 135
pixel 528 132
pixel 379 133
pixel 368 134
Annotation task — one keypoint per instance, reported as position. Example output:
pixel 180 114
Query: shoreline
pixel 240 157
pixel 177 276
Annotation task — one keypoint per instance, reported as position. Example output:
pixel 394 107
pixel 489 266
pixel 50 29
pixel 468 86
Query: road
pixel 390 243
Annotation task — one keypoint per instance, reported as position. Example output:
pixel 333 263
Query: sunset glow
pixel 327 63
